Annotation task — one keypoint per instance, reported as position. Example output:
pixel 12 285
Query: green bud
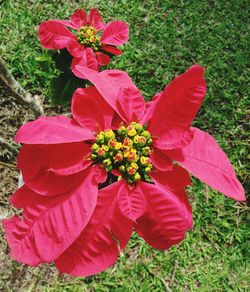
pixel 146 150
pixel 122 130
pixel 95 147
pixel 130 181
pixel 146 134
pixel 122 168
pixel 137 176
pixel 108 168
pixel 107 162
pixel 138 127
pixel 149 141
pixel 147 178
pixel 93 156
pixel 100 138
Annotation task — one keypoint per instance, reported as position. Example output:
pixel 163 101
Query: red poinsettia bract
pixel 93 39
pixel 91 180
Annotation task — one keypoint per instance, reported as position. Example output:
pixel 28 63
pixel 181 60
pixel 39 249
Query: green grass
pixel 166 37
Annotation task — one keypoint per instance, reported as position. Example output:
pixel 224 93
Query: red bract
pixel 87 46
pixel 80 215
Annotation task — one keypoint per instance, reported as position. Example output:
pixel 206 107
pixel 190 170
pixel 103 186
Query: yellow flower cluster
pixel 87 36
pixel 126 150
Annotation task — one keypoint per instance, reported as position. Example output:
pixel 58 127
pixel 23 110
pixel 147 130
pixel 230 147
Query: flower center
pixel 124 151
pixel 87 36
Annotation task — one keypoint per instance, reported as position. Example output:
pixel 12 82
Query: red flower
pixel 169 116
pixel 87 46
pixel 74 210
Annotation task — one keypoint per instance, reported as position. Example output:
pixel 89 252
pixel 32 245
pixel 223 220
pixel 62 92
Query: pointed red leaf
pixel 182 195
pixel 176 179
pixel 52 130
pixel 102 59
pixel 173 138
pixel 131 202
pixel 130 103
pixel 121 227
pixel 90 109
pixel 87 59
pixel 43 165
pixel 116 122
pixel 111 49
pixel 96 249
pixel 115 33
pixel 49 225
pixel 85 163
pixel 101 174
pixel 54 35
pixel 66 159
pixel 76 49
pixel 150 108
pixel 77 20
pixel 107 82
pixel 87 111
pixel 160 160
pixel 118 79
pixel 179 102
pixel 166 218
pixel 95 19
pixel 204 158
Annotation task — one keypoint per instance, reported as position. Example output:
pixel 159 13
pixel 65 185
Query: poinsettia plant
pixel 119 165
pixel 91 41
pixel 83 39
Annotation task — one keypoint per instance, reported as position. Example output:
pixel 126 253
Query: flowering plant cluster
pixel 83 39
pixel 117 165
pixel 91 40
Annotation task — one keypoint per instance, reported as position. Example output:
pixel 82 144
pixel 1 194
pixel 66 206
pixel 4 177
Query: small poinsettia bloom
pixel 89 40
pixel 93 179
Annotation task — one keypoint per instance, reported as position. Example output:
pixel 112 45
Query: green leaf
pixel 43 58
pixel 62 60
pixel 62 88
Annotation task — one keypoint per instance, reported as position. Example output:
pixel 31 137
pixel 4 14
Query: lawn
pixel 166 37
